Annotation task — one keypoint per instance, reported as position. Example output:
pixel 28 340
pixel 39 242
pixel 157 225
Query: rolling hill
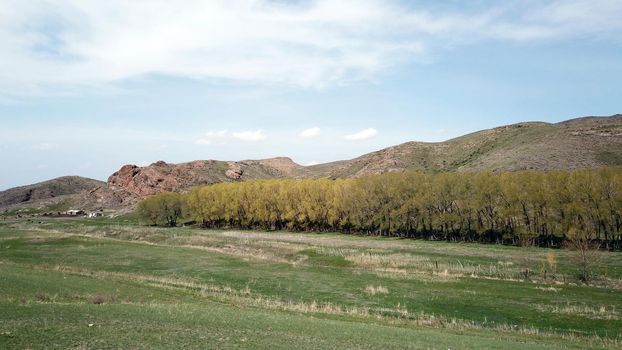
pixel 587 142
pixel 48 192
pixel 578 143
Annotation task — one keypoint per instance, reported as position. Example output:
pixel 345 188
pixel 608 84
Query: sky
pixel 88 86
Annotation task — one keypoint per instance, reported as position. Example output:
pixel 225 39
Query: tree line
pixel 521 208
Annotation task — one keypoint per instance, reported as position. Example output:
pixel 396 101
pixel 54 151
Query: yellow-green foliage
pixel 519 207
pixel 164 208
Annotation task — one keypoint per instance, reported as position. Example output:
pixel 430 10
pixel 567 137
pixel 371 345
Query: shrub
pixel 42 297
pixel 100 298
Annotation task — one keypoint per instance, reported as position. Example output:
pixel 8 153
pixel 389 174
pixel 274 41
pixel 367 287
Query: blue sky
pixel 87 86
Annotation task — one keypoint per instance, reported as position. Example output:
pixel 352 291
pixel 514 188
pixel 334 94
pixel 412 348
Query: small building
pixel 95 214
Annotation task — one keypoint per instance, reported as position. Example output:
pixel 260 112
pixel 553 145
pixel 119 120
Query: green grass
pixel 191 288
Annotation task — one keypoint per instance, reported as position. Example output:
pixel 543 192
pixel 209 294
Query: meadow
pixel 112 283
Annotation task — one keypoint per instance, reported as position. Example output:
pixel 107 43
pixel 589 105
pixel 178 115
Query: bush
pixel 100 298
pixel 42 297
pixel 162 209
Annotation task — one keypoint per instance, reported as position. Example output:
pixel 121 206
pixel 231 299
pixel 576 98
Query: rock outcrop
pixel 235 171
pixel 162 177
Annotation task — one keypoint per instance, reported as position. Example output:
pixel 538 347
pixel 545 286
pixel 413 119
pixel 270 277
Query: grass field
pixel 112 284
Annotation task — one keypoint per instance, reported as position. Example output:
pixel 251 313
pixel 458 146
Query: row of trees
pixel 517 208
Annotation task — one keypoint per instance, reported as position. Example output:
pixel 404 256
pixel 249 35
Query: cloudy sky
pixel 87 86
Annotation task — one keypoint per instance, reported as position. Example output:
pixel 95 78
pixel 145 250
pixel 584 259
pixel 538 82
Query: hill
pixel 578 143
pixel 48 192
pixel 587 142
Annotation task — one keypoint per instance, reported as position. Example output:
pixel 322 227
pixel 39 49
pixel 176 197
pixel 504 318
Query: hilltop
pixel 51 192
pixel 588 142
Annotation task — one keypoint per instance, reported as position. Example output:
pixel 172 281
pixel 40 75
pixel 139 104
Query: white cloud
pixel 212 137
pixel 308 44
pixel 311 132
pixel 362 135
pixel 256 135
pixel 64 46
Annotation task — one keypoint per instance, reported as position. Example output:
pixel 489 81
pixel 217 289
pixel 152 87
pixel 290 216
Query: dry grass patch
pixel 592 312
pixel 385 262
pixel 280 252
pixel 373 290
pixel 156 281
pixel 549 289
pixel 413 264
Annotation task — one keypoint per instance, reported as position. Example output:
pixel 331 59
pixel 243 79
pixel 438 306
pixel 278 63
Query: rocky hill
pixel 161 176
pixel 578 143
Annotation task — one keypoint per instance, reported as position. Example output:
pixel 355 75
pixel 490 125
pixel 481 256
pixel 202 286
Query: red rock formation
pixel 161 176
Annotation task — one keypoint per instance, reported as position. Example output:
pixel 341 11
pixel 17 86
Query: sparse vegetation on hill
pixel 578 143
pixel 52 191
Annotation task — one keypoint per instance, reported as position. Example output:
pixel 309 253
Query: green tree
pixel 165 208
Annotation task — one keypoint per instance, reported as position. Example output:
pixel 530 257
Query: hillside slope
pixel 51 190
pixel 578 143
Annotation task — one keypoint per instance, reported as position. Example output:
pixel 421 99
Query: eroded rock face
pixel 107 197
pixel 283 166
pixel 155 178
pixel 124 176
pixel 235 171
pixel 162 177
